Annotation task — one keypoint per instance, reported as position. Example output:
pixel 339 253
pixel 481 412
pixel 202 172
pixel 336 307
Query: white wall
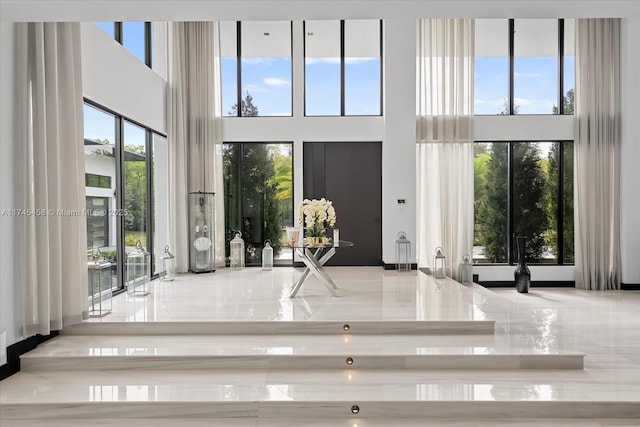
pixel 399 146
pixel 116 79
pixel 10 247
pixel 630 151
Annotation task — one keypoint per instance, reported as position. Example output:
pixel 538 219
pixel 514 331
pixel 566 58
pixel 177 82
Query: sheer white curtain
pixel 445 55
pixel 194 129
pixel 51 126
pixel 597 154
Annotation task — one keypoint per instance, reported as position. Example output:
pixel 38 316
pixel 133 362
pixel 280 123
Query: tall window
pixel 524 189
pixel 256 68
pixel 258 190
pixel 100 138
pixel 135 177
pixel 135 36
pixel 343 68
pixel 524 66
pixel 122 197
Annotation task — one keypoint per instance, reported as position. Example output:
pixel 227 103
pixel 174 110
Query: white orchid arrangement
pixel 314 214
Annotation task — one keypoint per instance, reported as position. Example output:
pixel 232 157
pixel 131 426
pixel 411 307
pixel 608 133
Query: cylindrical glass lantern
pixel 465 270
pixel 168 265
pixel 236 258
pixel 403 252
pixel 267 256
pixel 202 232
pixel 138 271
pixel 439 264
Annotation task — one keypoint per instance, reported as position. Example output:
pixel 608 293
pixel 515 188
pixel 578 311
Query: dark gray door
pixel 350 175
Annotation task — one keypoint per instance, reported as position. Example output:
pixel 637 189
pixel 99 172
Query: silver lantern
pixel 236 258
pixel 439 264
pixel 465 270
pixel 403 252
pixel 267 256
pixel 168 265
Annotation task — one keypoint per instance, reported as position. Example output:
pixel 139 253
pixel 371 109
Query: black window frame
pixel 101 180
pixel 511 62
pixel 119 120
pixel 239 72
pixel 239 163
pixel 560 192
pixel 342 74
pixel 148 45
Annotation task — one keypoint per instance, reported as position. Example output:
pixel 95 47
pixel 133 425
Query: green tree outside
pixel 257 183
pixel 135 197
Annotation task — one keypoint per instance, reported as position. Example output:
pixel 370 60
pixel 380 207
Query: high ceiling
pixel 176 10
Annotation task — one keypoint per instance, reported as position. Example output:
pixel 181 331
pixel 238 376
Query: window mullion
pixel 239 68
pixel 117 31
pixel 560 195
pixel 147 44
pixel 119 158
pixel 511 64
pixel 510 202
pixel 560 66
pixel 150 219
pixel 342 70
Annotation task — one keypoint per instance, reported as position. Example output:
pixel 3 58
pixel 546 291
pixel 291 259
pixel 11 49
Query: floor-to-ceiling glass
pixel 100 185
pixel 258 191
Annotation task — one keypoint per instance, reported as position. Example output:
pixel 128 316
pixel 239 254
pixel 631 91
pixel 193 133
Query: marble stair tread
pixel 334 422
pixel 308 393
pixel 382 327
pixel 292 351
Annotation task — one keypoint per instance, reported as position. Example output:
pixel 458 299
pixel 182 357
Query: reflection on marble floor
pixel 604 326
pixel 366 293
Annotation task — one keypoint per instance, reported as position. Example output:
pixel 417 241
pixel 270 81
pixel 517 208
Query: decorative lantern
pixel 267 256
pixel 439 264
pixel 138 271
pixel 236 260
pixel 403 252
pixel 465 270
pixel 100 281
pixel 168 265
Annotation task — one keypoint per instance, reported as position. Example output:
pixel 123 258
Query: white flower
pixel 315 213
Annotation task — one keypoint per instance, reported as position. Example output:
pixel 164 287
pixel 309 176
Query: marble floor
pixel 231 348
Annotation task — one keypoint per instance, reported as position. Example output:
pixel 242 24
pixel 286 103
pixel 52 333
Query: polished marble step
pixel 382 327
pixel 329 394
pixel 334 422
pixel 82 352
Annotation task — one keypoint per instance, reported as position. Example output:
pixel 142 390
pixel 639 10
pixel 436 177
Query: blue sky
pixel 269 81
pixel 535 83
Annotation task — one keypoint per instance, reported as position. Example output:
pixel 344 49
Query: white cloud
pixel 358 60
pixel 312 61
pixel 523 101
pixel 276 82
pixel 257 61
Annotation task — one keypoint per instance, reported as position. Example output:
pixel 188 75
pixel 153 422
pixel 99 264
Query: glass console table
pixel 314 257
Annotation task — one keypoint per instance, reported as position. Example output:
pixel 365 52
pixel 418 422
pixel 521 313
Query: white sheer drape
pixel 51 126
pixel 597 154
pixel 194 109
pixel 445 55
